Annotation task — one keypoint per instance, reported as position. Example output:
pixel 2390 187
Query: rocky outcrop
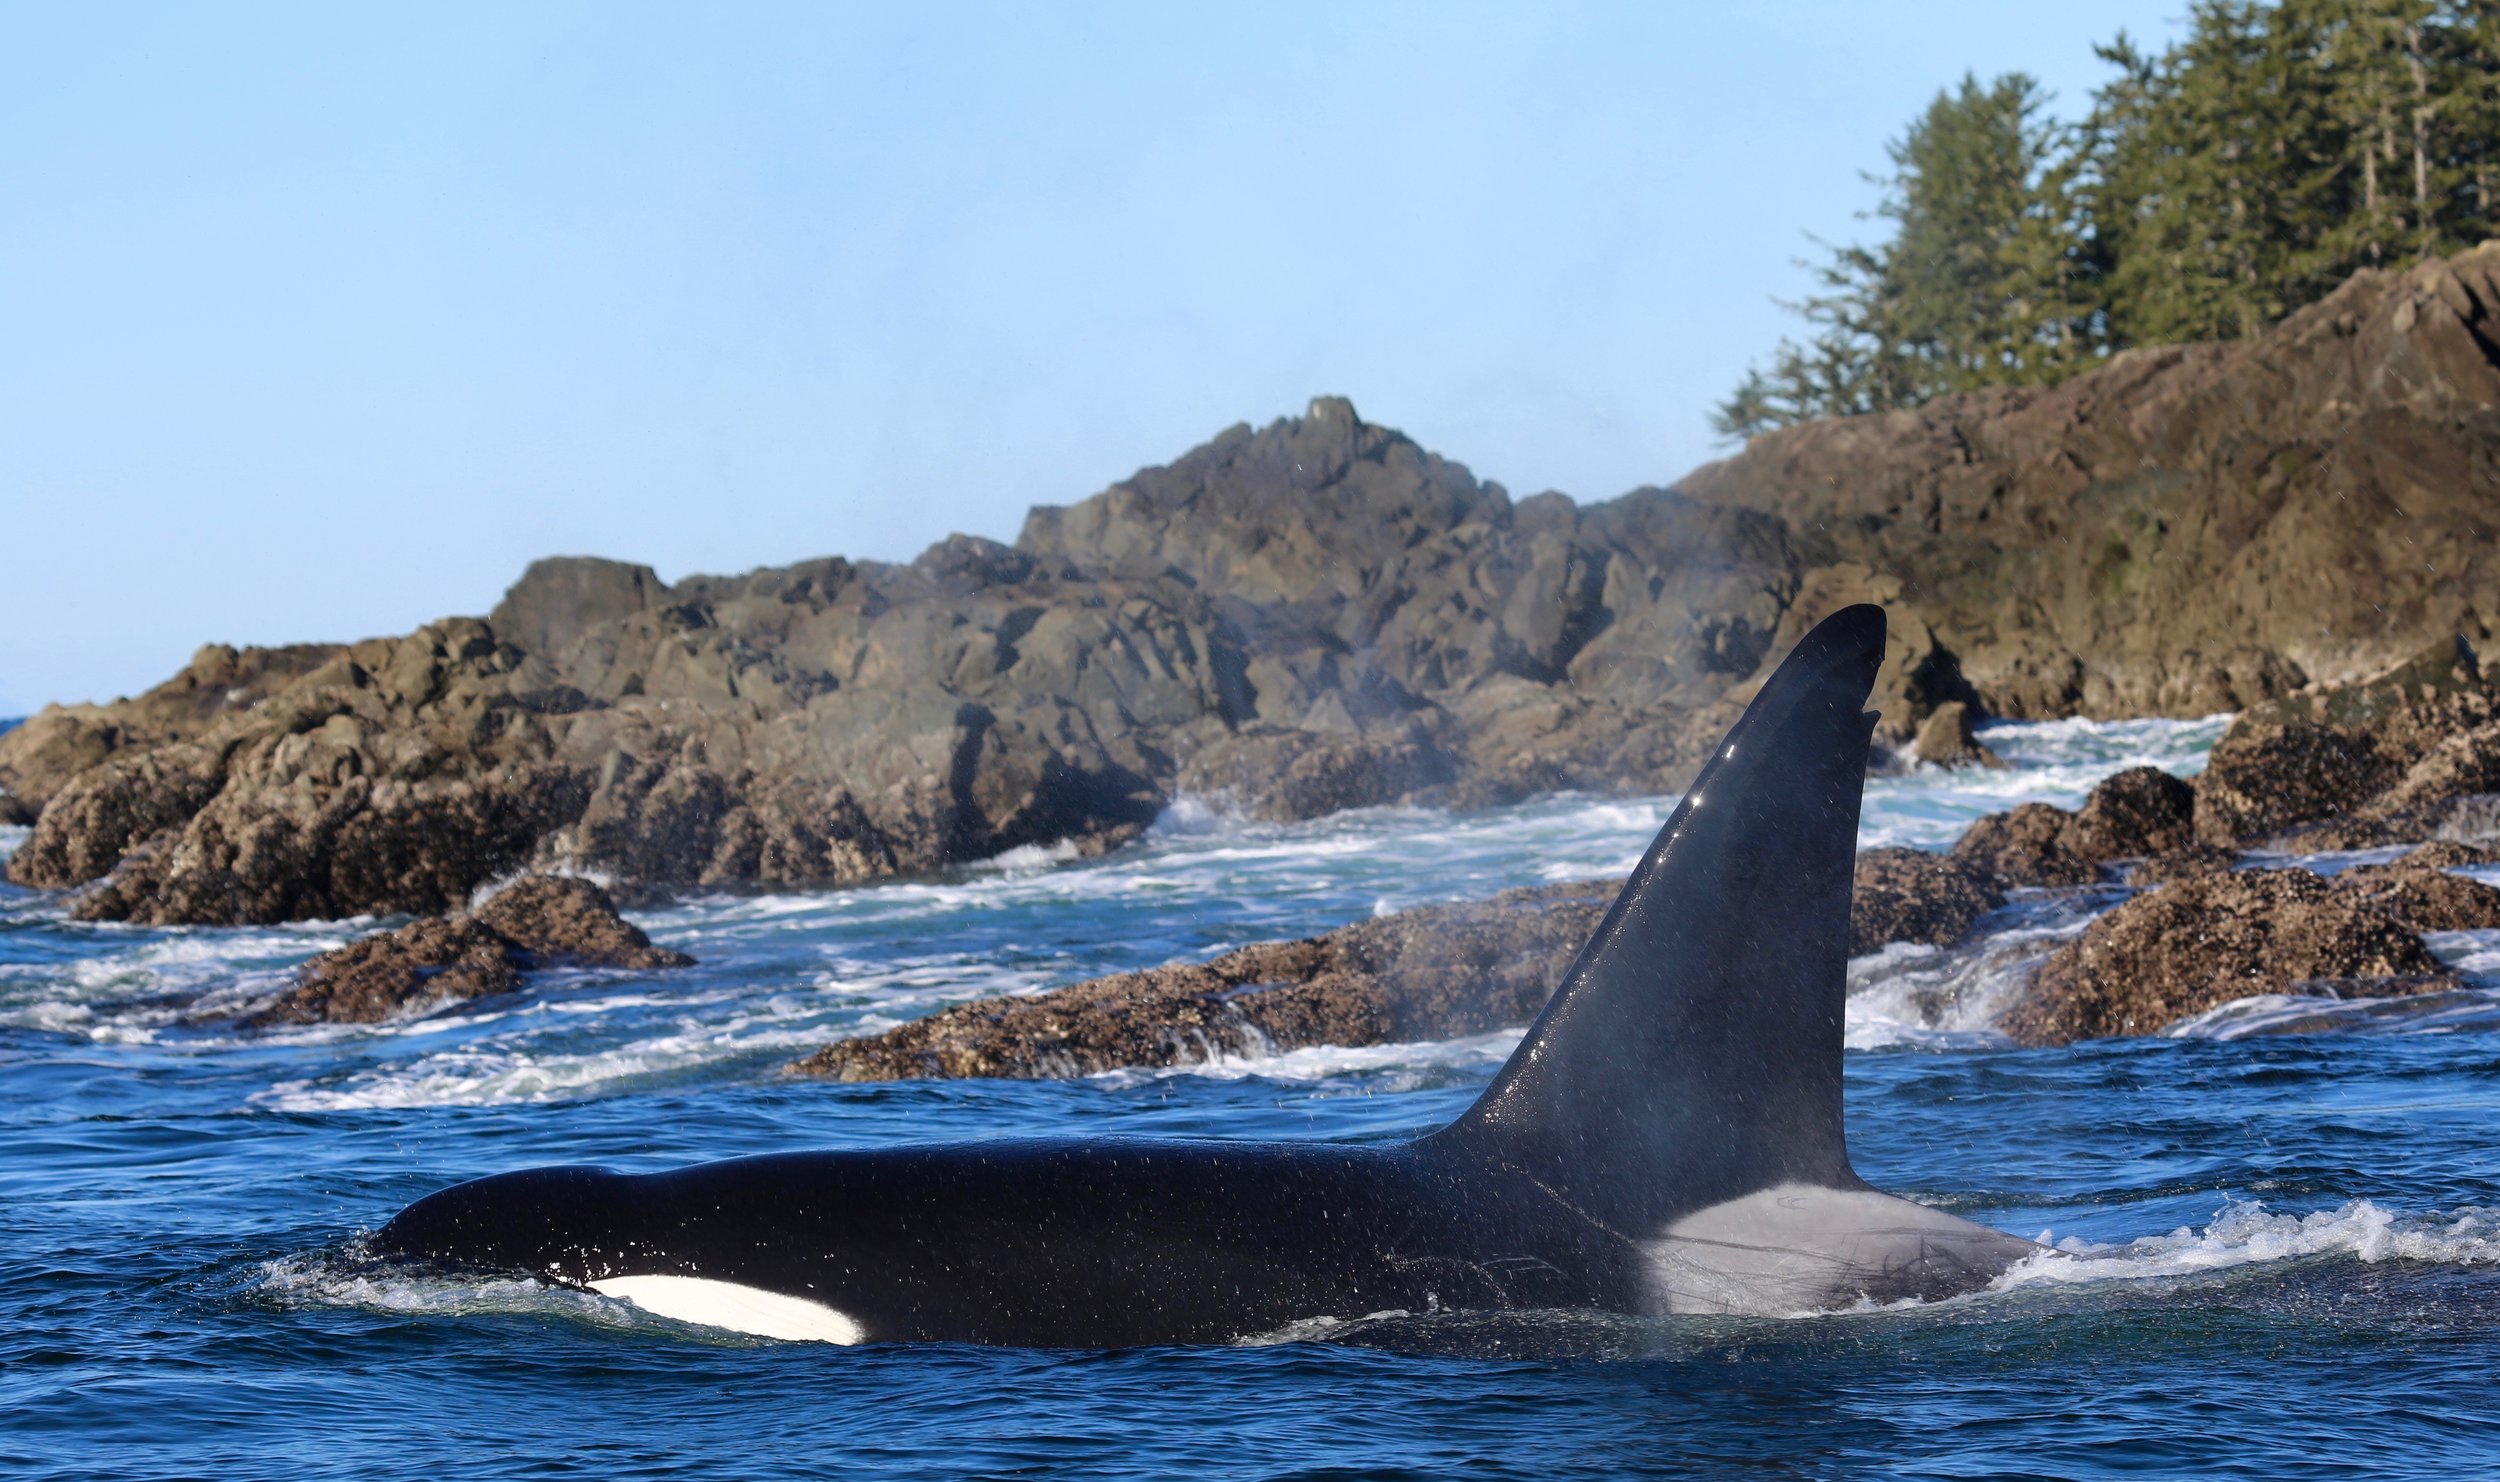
pixel 538 922
pixel 1322 614
pixel 2205 939
pixel 43 753
pixel 1311 617
pixel 1315 616
pixel 2138 813
pixel 2030 844
pixel 2418 890
pixel 399 775
pixel 1950 738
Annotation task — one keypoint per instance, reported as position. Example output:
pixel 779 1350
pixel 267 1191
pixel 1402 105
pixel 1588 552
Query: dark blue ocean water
pixel 2279 1253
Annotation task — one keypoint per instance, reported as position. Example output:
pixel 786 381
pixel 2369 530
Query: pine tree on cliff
pixel 2212 165
pixel 2273 151
pixel 1988 279
pixel 2465 113
pixel 2278 149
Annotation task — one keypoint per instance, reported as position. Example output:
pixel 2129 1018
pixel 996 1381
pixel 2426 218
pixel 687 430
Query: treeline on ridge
pixel 2270 153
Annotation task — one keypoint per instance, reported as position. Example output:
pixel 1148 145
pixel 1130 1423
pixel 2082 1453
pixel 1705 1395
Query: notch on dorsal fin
pixel 1692 1053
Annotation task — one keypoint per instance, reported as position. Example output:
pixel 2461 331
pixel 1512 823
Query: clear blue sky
pixel 320 321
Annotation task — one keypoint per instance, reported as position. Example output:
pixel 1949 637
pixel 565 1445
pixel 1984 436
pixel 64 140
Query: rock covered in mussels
pixel 2028 844
pixel 1912 895
pixel 2139 813
pixel 2355 766
pixel 2204 939
pixel 537 922
pixel 2418 889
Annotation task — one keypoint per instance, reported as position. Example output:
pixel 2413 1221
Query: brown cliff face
pixel 2189 529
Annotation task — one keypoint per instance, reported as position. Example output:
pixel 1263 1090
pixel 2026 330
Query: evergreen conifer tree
pixel 2278 147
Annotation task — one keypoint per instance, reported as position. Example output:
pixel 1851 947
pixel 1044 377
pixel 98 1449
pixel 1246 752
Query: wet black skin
pixel 1103 1243
pixel 1691 1056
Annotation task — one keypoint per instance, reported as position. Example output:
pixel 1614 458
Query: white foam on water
pixel 315 1282
pixel 562 870
pixel 1908 994
pixel 1318 1063
pixel 2052 762
pixel 2245 1234
pixel 332 1281
pixel 1317 1329
pixel 1193 815
pixel 139 983
pixel 844 961
pixel 504 1074
pixel 1031 859
pixel 2473 953
pixel 12 835
pixel 2293 1013
pixel 2108 745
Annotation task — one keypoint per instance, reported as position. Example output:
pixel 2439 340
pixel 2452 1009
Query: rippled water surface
pixel 2273 1250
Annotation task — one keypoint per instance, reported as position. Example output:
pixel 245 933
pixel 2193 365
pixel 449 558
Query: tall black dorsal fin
pixel 1692 1053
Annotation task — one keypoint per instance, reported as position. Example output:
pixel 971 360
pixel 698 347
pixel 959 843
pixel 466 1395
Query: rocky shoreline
pixel 2209 920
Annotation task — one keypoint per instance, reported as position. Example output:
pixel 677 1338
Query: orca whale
pixel 1667 1138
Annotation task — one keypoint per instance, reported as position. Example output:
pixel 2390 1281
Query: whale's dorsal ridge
pixel 1691 1054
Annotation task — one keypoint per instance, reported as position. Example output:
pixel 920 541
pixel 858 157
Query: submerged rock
pixel 1431 973
pixel 2195 859
pixel 537 922
pixel 1950 738
pixel 2205 939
